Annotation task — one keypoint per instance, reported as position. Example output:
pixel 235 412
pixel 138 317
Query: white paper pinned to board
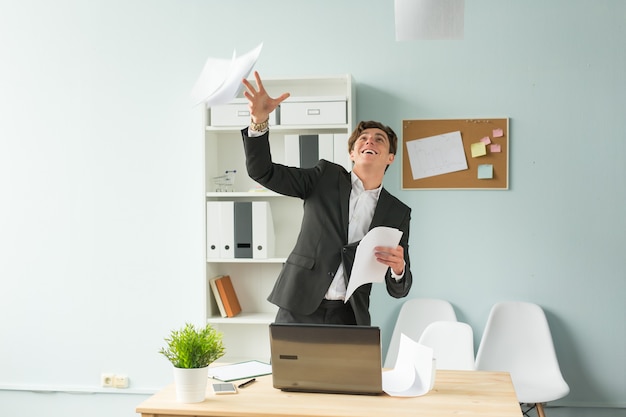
pixel 436 155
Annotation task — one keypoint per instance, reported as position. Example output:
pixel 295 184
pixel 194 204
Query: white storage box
pixel 313 111
pixel 235 113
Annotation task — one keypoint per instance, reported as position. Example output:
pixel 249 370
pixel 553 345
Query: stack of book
pixel 225 296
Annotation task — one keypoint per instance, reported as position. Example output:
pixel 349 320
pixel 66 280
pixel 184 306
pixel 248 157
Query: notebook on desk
pixel 326 358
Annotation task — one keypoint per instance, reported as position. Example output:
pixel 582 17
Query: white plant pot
pixel 191 384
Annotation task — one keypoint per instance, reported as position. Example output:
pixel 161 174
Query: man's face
pixel 372 148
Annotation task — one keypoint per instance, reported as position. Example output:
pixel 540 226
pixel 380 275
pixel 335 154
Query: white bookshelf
pixel 246 336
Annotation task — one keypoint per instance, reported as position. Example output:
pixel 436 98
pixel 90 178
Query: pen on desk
pixel 245 384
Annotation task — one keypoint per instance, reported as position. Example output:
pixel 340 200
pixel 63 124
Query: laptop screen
pixel 326 358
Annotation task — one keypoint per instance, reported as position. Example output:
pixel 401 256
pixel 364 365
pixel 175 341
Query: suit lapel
pixel 383 208
pixel 345 188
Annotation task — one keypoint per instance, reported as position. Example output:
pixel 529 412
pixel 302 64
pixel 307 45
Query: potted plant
pixel 191 350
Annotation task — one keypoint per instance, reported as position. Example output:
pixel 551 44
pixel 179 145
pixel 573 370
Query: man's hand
pixel 392 257
pixel 259 102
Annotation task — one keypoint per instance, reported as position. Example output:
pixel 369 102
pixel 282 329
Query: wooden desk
pixel 467 393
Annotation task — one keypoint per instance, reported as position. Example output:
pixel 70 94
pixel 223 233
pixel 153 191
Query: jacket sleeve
pixel 400 288
pixel 290 181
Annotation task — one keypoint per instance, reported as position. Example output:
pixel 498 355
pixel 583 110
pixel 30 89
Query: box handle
pixel 313 112
pixel 241 113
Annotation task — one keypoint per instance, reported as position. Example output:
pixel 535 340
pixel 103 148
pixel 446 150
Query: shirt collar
pixel 357 186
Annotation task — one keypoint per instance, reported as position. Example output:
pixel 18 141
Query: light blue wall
pixel 101 176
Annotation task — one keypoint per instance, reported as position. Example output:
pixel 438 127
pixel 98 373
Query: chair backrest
pixel 452 343
pixel 414 316
pixel 517 339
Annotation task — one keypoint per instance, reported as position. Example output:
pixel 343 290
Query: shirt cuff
pixel 256 133
pixel 398 277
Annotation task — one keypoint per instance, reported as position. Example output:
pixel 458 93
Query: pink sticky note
pixel 497 133
pixel 495 147
pixel 486 140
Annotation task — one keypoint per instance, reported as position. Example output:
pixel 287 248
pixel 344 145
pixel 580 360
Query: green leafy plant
pixel 192 347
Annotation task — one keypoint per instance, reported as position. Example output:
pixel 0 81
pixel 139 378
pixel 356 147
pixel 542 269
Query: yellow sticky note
pixel 478 149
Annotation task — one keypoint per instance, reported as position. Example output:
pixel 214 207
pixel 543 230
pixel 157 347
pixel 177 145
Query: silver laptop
pixel 326 358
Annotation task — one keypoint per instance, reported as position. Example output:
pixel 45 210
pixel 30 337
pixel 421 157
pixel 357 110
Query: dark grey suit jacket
pixel 323 239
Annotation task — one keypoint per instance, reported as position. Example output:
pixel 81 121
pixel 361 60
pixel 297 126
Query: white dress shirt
pixel 362 205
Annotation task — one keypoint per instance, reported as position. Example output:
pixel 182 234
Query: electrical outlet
pixel 106 380
pixel 120 381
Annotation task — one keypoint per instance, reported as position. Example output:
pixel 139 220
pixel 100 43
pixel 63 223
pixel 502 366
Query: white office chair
pixel 452 343
pixel 414 316
pixel 517 340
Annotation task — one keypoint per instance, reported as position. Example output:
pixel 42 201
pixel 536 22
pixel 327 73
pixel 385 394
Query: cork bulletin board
pixel 455 154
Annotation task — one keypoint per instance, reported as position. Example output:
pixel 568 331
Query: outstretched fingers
pixel 260 103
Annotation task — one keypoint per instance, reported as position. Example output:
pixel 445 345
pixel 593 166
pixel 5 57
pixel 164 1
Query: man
pixel 339 208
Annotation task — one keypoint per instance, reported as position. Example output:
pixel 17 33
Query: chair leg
pixel 527 408
pixel 540 412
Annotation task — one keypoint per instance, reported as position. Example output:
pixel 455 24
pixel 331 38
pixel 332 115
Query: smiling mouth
pixel 369 152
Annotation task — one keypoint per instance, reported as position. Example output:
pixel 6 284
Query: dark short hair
pixel 370 124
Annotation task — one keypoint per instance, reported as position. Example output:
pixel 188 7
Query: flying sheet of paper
pixel 366 268
pixel 436 155
pixel 414 372
pixel 220 79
